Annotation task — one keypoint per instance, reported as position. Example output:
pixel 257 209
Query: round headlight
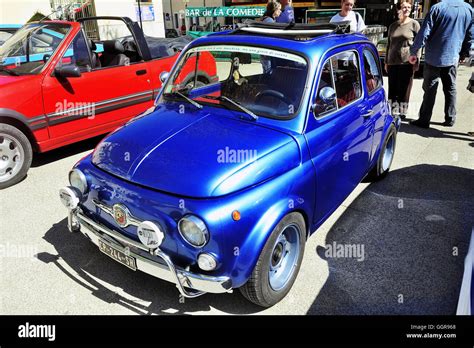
pixel 193 230
pixel 207 262
pixel 78 180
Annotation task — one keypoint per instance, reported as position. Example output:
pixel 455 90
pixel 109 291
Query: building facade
pixel 20 11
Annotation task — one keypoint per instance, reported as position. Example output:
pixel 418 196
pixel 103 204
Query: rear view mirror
pixel 65 71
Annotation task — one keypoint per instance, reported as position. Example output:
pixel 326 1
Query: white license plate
pixel 117 255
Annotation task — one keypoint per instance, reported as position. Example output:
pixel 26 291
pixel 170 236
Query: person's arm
pixel 361 25
pixel 417 30
pixel 466 45
pixel 424 32
pixel 389 42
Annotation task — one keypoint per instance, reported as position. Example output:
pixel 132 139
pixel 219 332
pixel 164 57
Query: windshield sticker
pixel 251 50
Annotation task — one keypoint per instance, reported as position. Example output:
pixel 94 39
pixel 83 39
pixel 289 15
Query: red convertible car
pixel 62 82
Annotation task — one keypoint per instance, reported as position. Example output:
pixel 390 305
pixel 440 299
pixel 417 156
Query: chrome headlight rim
pixel 82 184
pixel 200 225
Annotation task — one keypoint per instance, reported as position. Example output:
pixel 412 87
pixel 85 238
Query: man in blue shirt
pixel 287 13
pixel 446 33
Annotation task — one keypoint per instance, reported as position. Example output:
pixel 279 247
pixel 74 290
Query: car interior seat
pixel 94 56
pixel 113 54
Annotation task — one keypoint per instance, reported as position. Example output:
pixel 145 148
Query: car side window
pixel 373 76
pixel 346 72
pixel 78 54
pixel 323 105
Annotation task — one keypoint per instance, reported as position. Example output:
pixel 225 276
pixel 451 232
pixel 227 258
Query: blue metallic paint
pixel 172 168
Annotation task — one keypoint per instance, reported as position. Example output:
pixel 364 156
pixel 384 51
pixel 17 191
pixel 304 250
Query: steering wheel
pixel 273 94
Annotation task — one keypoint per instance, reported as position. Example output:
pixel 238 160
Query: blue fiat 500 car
pixel 219 185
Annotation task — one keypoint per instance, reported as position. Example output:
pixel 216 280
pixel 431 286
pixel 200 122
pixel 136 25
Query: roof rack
pixel 293 29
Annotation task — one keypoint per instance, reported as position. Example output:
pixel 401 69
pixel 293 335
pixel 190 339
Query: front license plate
pixel 118 255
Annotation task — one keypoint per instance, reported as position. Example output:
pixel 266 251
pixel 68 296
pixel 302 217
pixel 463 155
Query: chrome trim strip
pixel 112 233
pixel 99 104
pixel 131 220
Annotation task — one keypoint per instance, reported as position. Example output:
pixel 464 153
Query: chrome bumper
pixel 189 284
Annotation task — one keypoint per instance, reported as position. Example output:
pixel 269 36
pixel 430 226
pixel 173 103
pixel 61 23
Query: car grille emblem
pixel 120 215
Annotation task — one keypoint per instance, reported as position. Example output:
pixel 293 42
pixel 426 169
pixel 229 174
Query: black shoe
pixel 402 116
pixel 419 124
pixel 448 123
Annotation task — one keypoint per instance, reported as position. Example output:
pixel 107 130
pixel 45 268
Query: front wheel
pixel 278 264
pixel 15 155
pixel 386 154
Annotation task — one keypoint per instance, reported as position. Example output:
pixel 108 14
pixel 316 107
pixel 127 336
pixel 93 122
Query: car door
pixel 101 98
pixel 339 130
pixel 374 96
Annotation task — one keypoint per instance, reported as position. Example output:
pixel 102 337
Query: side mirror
pixel 69 70
pixel 164 76
pixel 326 99
pixel 327 95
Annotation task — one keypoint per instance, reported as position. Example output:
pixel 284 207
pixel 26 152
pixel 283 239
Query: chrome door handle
pixel 369 113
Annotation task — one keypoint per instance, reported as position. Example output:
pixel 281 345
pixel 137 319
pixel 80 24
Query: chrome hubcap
pixel 11 157
pixel 388 154
pixel 284 257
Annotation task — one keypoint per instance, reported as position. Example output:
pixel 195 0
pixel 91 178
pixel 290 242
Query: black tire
pixel 380 170
pixel 16 140
pixel 258 289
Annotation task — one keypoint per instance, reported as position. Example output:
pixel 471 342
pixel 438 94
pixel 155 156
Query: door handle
pixel 140 72
pixel 368 114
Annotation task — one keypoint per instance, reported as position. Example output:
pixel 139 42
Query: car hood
pixel 199 153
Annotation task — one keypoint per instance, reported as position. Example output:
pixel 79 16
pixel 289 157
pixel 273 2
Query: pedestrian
pixel 446 35
pixel 346 14
pixel 272 13
pixel 401 35
pixel 287 15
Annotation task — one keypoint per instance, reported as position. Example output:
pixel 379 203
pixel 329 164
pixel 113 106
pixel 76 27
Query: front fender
pixel 252 247
pixel 261 208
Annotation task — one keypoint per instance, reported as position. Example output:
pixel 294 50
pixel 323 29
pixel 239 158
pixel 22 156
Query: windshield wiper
pixel 9 71
pixel 233 102
pixel 195 103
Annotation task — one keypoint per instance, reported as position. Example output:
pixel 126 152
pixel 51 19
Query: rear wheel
pixel 15 155
pixel 386 154
pixel 278 264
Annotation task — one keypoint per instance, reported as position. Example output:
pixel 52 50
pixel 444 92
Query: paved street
pixel 414 227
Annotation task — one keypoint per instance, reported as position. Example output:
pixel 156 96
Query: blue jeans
pixel 431 76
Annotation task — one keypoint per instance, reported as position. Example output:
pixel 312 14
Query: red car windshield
pixel 29 49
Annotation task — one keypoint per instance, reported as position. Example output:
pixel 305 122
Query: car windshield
pixel 255 80
pixel 28 50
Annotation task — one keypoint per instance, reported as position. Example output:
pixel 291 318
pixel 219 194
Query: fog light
pixel 207 262
pixel 150 234
pixel 70 197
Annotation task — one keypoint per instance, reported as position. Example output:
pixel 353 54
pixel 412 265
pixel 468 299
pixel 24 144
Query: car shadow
pixel 402 245
pixel 433 132
pixel 138 292
pixel 41 159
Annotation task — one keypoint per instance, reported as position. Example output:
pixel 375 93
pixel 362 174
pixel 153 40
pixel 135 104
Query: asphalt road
pixel 414 227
